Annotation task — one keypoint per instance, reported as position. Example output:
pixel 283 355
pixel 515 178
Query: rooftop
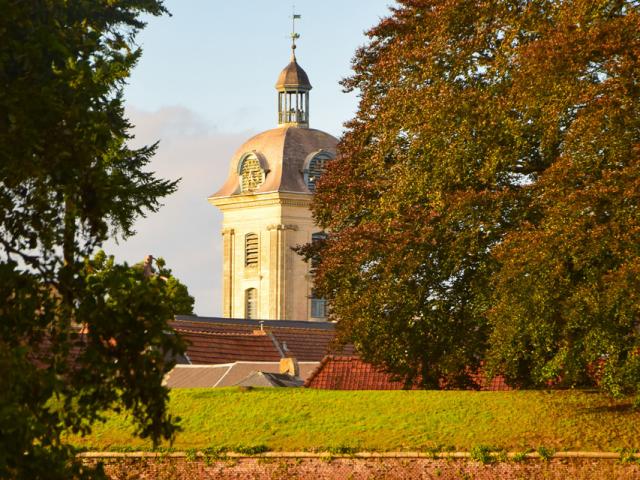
pixel 213 340
pixel 283 153
pixel 352 373
pixel 226 374
pixel 293 77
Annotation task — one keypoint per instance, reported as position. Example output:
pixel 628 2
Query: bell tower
pixel 265 205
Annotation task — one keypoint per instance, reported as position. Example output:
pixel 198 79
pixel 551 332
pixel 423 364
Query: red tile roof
pixel 305 345
pixel 352 373
pixel 496 384
pixel 208 348
pixel 220 340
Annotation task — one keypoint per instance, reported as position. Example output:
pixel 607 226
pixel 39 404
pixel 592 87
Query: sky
pixel 204 85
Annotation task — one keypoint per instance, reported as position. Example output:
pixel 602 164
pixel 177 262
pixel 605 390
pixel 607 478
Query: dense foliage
pixel 485 206
pixel 78 334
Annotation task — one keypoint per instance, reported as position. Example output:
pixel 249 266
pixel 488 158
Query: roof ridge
pixel 206 365
pixel 296 328
pixel 221 334
pixel 299 324
pixel 266 328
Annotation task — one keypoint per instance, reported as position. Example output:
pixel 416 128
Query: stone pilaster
pixel 279 279
pixel 228 236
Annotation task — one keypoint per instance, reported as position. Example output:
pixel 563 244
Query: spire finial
pixel 294 36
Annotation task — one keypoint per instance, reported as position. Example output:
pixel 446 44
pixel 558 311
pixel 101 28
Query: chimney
pixel 262 331
pixel 289 365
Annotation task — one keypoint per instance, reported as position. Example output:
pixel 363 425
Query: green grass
pixel 302 419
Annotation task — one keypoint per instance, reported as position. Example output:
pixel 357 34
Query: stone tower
pixel 265 205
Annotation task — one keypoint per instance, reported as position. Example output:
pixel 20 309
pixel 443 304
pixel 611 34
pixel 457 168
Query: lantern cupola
pixel 293 88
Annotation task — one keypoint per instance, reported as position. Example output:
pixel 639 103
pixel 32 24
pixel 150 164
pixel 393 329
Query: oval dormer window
pixel 315 168
pixel 251 173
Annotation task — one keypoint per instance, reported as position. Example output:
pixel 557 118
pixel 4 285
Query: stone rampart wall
pixel 344 467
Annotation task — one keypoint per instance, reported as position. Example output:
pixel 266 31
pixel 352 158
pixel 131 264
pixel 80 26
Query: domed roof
pixel 283 154
pixel 293 76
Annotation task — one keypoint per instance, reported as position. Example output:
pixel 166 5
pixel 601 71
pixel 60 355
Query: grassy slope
pixel 301 419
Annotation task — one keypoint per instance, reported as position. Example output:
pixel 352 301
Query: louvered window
pixel 251 174
pixel 251 303
pixel 315 170
pixel 251 249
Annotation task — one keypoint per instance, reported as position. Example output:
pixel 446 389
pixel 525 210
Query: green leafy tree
pixel 178 293
pixel 566 304
pixel 78 335
pixel 478 126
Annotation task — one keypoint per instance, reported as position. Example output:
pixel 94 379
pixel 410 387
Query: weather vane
pixel 294 36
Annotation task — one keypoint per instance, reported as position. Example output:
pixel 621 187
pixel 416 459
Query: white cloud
pixel 186 230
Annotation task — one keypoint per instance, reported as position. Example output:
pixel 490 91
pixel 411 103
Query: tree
pixel 79 335
pixel 566 306
pixel 453 194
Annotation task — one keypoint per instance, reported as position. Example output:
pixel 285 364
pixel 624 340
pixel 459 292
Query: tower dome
pixel 285 159
pixel 289 158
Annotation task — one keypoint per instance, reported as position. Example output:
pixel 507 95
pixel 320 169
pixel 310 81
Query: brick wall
pixel 355 469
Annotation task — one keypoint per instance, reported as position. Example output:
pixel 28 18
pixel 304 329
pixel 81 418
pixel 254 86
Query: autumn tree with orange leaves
pixel 485 205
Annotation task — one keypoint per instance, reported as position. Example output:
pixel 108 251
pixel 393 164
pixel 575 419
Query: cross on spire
pixel 294 36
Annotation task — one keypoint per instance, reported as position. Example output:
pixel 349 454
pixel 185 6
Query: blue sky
pixel 205 84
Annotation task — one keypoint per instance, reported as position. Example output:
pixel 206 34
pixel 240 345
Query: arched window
pixel 251 303
pixel 251 173
pixel 315 168
pixel 251 250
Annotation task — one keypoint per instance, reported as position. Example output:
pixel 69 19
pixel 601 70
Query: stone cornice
pixel 288 199
pixel 282 227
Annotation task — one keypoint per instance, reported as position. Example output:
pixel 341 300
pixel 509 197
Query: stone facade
pixel 280 277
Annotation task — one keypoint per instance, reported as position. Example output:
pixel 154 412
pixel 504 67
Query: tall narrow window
pixel 251 250
pixel 251 303
pixel 316 237
pixel 318 305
